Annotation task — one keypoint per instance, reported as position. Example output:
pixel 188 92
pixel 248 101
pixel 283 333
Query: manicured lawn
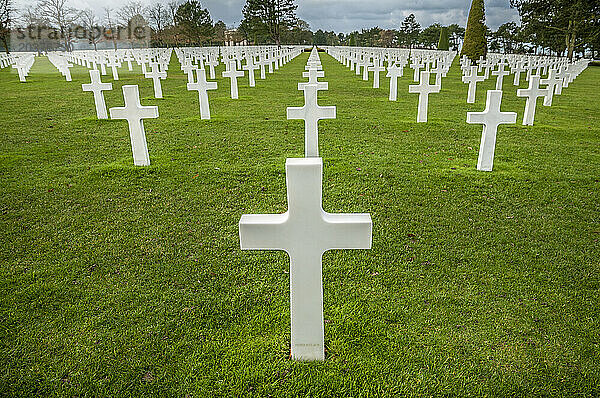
pixel 119 281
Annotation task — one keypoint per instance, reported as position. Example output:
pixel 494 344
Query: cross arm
pixel 262 231
pixel 349 231
pixel 476 117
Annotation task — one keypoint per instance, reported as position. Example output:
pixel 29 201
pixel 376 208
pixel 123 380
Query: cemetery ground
pixel 129 281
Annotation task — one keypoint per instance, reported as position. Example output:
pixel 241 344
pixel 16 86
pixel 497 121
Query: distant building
pixel 234 38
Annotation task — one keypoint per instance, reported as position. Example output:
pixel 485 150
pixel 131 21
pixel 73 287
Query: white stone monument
pixel 532 93
pixel 423 89
pixel 376 68
pixel 135 114
pixel 491 118
pixel 97 87
pixel 311 113
pixel 202 86
pixel 394 72
pixel 233 75
pixel 472 79
pixel 305 232
pixel 156 74
pixel 500 73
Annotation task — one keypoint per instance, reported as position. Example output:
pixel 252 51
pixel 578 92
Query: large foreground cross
pixel 305 232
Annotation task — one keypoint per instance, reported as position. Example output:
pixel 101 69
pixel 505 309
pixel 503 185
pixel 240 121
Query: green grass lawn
pixel 121 281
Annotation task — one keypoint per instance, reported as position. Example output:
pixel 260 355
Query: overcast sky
pixel 349 15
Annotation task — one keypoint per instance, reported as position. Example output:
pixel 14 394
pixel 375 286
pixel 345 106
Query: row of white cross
pixel 560 73
pixel 135 113
pixel 22 62
pixel 305 232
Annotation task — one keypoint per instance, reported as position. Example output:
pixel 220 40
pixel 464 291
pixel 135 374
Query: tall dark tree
pixel 409 31
pixel 319 39
pixel 508 36
pixel 570 18
pixel 219 32
pixel 6 11
pixel 475 44
pixel 194 23
pixel 430 36
pixel 272 16
pixel 456 35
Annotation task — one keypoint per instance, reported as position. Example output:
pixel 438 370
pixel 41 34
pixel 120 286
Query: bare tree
pixel 61 15
pixel 109 19
pixel 37 25
pixel 129 10
pixel 90 22
pixel 6 12
pixel 173 6
pixel 158 16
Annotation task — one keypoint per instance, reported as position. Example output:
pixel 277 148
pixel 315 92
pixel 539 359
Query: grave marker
pixel 135 114
pixel 491 118
pixel 96 86
pixel 423 89
pixel 305 232
pixel 202 86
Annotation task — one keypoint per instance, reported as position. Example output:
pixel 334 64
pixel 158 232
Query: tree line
pixel 558 27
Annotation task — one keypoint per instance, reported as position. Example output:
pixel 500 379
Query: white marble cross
pixel 501 72
pixel 472 79
pixel 212 63
pixel 491 118
pixel 361 63
pixel 552 82
pixel 233 75
pixel 66 71
pixel 417 65
pixel 202 86
pixel 156 75
pixel 263 62
pixel 394 72
pixel 188 68
pixel 128 58
pixel 113 63
pixel 305 232
pixel 250 67
pixel 366 66
pixel 517 70
pixel 311 113
pixel 532 93
pixel 423 89
pixel 377 68
pixel 135 114
pixel 313 75
pixel 439 72
pixel 96 86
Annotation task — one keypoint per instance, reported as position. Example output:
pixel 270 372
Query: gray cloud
pixel 349 15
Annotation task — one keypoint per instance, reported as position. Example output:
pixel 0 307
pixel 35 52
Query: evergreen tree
pixel 444 43
pixel 273 16
pixel 542 19
pixel 475 44
pixel 194 22
pixel 409 31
